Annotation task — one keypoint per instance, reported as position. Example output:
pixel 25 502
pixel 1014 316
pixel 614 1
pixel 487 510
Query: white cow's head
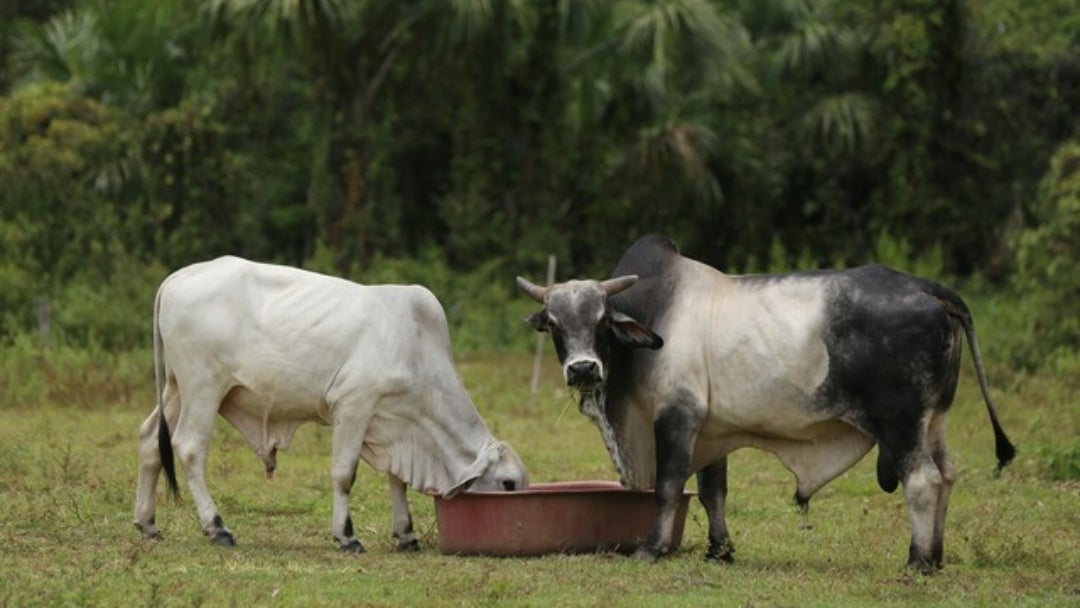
pixel 583 326
pixel 499 469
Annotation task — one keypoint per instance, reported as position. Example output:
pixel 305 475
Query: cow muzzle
pixel 583 373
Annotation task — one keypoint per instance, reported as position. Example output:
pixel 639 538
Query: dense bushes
pixel 458 144
pixel 1047 253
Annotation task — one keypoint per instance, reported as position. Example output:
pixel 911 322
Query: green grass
pixel 67 480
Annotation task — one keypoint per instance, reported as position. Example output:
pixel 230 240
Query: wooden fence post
pixel 534 386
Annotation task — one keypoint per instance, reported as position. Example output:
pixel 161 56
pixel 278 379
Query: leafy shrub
pixel 82 376
pixel 898 253
pixel 111 309
pixel 18 285
pixel 1046 257
pixel 893 251
pixel 1062 463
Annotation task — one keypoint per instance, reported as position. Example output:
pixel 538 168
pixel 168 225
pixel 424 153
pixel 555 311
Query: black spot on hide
pixel 675 429
pixel 893 356
pixel 655 260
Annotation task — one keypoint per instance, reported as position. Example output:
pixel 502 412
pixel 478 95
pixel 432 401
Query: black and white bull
pixel 815 367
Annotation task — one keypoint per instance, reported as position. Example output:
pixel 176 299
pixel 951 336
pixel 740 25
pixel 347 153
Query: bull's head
pixel 584 326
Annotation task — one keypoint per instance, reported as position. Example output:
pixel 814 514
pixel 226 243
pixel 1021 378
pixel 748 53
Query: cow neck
pixel 431 455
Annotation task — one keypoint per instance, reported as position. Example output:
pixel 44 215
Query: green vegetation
pixel 463 142
pixel 67 482
pixel 456 144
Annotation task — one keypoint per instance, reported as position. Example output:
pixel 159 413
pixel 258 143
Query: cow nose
pixel 582 372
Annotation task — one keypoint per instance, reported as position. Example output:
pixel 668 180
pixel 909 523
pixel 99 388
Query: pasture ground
pixel 67 480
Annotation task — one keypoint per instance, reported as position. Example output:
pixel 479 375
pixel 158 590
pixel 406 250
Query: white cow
pixel 272 347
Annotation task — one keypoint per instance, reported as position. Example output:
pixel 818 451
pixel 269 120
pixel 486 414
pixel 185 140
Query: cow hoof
pixel 223 538
pixel 354 547
pixel 723 558
pixel 922 566
pixel 802 503
pixel 408 545
pixel 645 554
pixel 724 554
pixel 149 532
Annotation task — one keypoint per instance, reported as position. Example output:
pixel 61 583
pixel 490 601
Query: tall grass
pixel 67 479
pixel 59 375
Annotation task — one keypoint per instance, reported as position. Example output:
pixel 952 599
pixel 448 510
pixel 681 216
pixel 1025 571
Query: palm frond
pixel 682 149
pixel 468 18
pixel 299 19
pixel 577 18
pixel 808 46
pixel 663 36
pixel 62 49
pixel 841 124
pixel 809 38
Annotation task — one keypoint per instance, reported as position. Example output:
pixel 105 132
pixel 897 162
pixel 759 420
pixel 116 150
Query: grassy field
pixel 67 480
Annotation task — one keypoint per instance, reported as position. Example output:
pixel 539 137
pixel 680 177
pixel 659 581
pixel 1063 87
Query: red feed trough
pixel 565 517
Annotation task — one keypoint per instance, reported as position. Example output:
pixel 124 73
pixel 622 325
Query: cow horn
pixel 533 290
pixel 614 286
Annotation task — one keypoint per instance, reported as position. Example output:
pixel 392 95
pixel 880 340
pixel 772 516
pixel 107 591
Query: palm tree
pixel 648 81
pixel 816 43
pixel 127 53
pixel 344 50
pixel 66 48
pixel 352 53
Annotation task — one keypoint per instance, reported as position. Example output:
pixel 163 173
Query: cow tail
pixel 165 450
pixel 956 308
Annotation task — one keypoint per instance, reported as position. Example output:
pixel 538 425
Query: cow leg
pixel 347 442
pixel 923 485
pixel 191 443
pixel 150 462
pixel 712 492
pixel 905 443
pixel 149 470
pixel 940 455
pixel 399 507
pixel 675 429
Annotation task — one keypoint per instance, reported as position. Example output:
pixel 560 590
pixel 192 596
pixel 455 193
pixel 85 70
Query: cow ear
pixel 633 334
pixel 459 488
pixel 538 320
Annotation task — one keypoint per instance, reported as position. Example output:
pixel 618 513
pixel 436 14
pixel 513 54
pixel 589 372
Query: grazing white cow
pixel 272 347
